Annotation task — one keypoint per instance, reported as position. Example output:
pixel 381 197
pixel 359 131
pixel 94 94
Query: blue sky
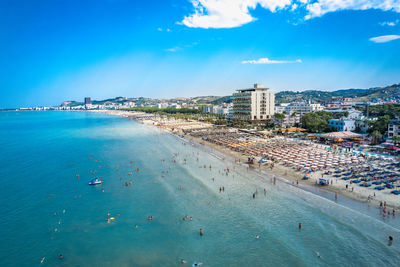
pixel 54 51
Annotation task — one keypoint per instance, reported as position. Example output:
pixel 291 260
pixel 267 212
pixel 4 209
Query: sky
pixel 59 50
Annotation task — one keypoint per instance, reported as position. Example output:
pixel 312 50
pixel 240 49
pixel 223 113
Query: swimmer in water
pixel 201 232
pixel 318 255
pixel 257 236
pixel 61 257
pixel 299 226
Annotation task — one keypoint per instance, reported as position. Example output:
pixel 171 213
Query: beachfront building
pixel 352 113
pixel 393 129
pixel 342 125
pixel 299 108
pixel 285 120
pixel 162 105
pixel 281 108
pixel 253 104
pixel 224 109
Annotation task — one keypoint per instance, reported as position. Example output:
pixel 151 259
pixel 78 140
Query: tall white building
pixel 254 104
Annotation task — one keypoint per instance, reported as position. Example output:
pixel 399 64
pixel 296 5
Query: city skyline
pixel 54 52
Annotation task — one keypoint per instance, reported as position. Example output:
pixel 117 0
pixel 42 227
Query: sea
pixel 48 208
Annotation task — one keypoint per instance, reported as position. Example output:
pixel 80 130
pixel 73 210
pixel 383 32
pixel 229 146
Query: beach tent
pixel 340 135
pixel 392 147
pixel 323 181
pixel 262 160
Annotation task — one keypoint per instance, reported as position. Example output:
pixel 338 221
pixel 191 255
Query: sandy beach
pixel 282 172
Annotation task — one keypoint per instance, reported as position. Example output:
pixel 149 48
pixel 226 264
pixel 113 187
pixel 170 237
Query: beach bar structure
pixel 341 136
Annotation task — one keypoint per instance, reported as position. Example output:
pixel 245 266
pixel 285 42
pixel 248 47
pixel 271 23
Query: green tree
pixel 316 122
pixel 396 139
pixel 279 116
pixel 380 125
pixel 392 110
pixel 339 115
pixel 376 136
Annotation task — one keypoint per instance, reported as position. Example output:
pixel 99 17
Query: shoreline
pixel 282 173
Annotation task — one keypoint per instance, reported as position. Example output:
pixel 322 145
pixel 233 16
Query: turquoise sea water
pixel 46 210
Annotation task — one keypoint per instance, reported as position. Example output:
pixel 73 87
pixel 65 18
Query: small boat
pixel 95 181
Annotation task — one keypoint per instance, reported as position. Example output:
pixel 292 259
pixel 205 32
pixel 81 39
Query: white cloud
pixel 227 13
pixel 269 61
pixel 161 29
pixel 321 7
pixel 235 13
pixel 384 38
pixel 173 49
pixel 389 23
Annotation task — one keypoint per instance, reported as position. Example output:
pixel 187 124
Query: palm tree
pixel 396 140
pixel 376 135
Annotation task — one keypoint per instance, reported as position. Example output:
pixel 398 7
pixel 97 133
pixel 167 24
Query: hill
pixel 387 93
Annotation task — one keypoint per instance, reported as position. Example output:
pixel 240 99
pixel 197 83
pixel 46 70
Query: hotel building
pixel 254 104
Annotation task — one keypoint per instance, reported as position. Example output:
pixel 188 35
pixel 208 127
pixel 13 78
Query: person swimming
pixel 257 236
pixel 201 232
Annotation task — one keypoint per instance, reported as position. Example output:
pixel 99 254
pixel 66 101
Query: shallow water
pixel 43 151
